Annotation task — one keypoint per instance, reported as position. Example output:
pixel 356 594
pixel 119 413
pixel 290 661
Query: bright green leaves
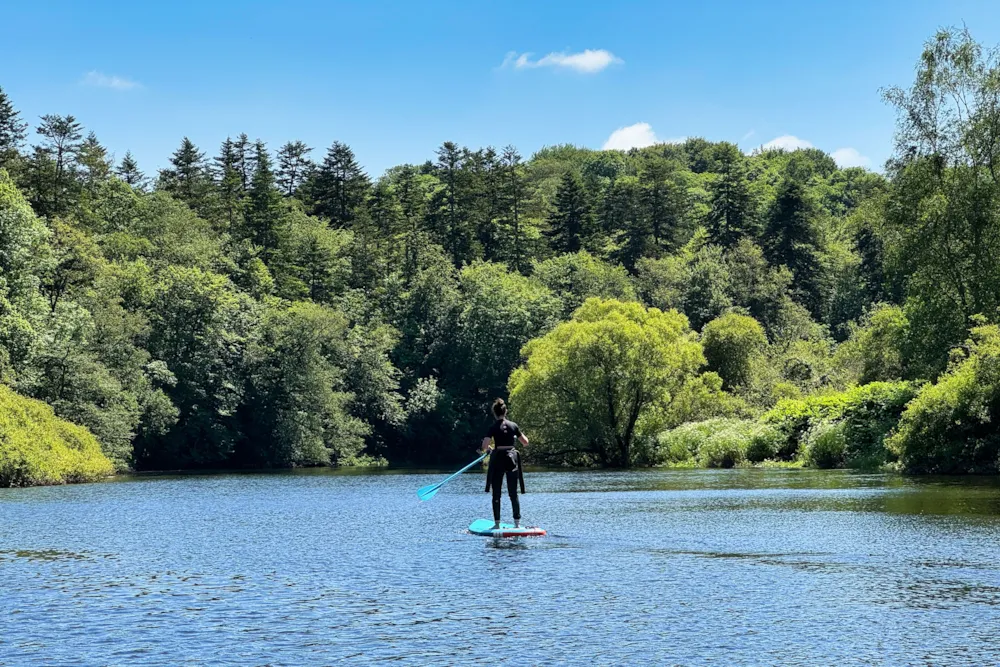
pixel 594 386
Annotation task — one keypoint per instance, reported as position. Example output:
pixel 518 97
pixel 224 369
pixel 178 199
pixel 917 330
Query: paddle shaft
pixel 465 468
pixel 428 492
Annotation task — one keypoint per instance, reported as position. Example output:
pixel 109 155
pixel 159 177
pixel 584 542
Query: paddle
pixel 429 491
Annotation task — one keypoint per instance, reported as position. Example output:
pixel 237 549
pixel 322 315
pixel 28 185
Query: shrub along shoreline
pixel 37 448
pixel 947 427
pixel 846 429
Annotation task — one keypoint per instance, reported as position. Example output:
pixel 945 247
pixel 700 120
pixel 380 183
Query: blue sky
pixel 394 80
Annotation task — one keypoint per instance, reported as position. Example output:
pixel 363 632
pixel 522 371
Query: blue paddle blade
pixel 429 491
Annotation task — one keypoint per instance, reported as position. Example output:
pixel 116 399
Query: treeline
pixel 262 308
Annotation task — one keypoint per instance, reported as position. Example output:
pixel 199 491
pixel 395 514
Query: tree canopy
pixel 276 306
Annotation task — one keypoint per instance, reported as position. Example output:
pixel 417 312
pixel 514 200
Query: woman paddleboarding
pixel 504 461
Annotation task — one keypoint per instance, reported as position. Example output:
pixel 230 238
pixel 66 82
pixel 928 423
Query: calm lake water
pixel 745 567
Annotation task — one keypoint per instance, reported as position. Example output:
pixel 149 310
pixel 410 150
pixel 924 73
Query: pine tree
pixel 188 179
pixel 94 161
pixel 626 222
pixel 570 223
pixel 484 202
pixel 513 191
pixel 318 266
pixel 340 187
pixel 450 207
pixel 412 197
pixel 791 239
pixel 367 257
pixel 664 202
pixel 263 206
pixel 54 164
pixel 229 182
pixel 734 211
pixel 244 157
pixel 12 131
pixel 128 171
pixel 293 166
pixel 386 217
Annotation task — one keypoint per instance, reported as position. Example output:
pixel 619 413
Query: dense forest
pixel 679 304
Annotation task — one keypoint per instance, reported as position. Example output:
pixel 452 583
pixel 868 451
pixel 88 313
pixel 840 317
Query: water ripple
pixel 661 567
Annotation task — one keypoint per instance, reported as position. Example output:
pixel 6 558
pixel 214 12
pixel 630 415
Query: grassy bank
pixel 36 447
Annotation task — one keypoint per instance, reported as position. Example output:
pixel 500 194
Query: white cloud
pixel 589 61
pixel 748 135
pixel 639 135
pixel 844 157
pixel 101 80
pixel 786 142
pixel 849 157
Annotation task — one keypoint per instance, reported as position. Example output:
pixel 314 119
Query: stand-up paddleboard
pixel 485 527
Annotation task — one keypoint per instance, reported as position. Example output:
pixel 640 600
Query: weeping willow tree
pixel 614 375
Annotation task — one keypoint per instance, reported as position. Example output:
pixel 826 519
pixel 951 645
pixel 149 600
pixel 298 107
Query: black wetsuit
pixel 504 462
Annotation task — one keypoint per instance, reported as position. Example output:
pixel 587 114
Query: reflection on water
pixel 732 567
pixel 42 554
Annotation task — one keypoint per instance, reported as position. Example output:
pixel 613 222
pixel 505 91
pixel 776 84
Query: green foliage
pixel 188 179
pixel 36 447
pixel 296 408
pixel 576 277
pixel 734 214
pixel 950 427
pixel 17 340
pixel 725 448
pixel 70 376
pixel 824 445
pixel 868 413
pixel 164 232
pixel 339 186
pixel 293 167
pixel 939 227
pixel 718 443
pixel 570 225
pixel 792 240
pixel 73 262
pixel 22 240
pixel 682 444
pixel 701 397
pixel 313 262
pixel 763 442
pixel 199 327
pixel 878 349
pixel 264 221
pixel 704 281
pixel 244 314
pixel 52 172
pixel 12 132
pixel 734 345
pixel 595 385
pixel 499 312
pixel 129 173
